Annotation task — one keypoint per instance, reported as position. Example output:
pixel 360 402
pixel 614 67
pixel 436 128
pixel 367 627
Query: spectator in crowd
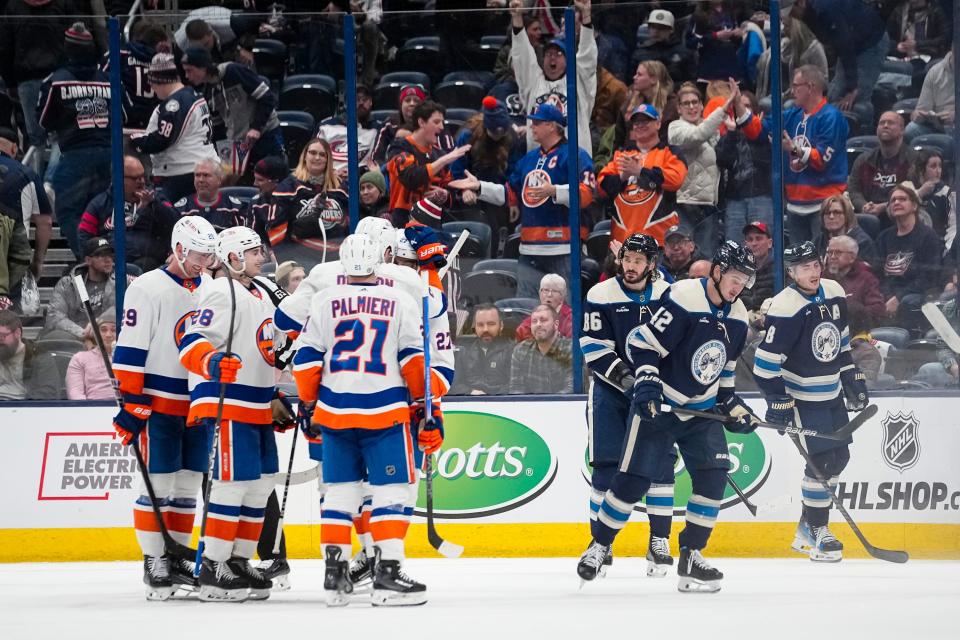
pixel 664 46
pixel 798 47
pixel 207 202
pixel 910 259
pixel 148 221
pixel 75 105
pixel 417 165
pixel 26 373
pixel 745 167
pixel 374 197
pixel 651 85
pixel 945 372
pixel 245 103
pixel 936 109
pixel 267 174
pixel 495 149
pixel 309 207
pixel 543 362
pixel 289 275
pixel 146 37
pixel 757 238
pixel 876 172
pixel 400 125
pixel 814 142
pixel 696 137
pixel 179 133
pixel 855 31
pixel 22 200
pixel 611 96
pixel 87 377
pixel 553 292
pixel 215 29
pixel 66 316
pixel 866 356
pixel 334 131
pixel 716 35
pixel 368 14
pixel 31 48
pixel 483 365
pixel 918 32
pixel 642 180
pixel 680 251
pixel 548 85
pixel 540 183
pixel 936 195
pixel 838 219
pixel 699 269
pixel 503 68
pixel 844 265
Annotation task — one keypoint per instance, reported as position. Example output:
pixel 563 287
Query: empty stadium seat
pixel 382 115
pixel 244 194
pixel 407 77
pixel 940 141
pixel 498 264
pixel 486 78
pixel 598 244
pixel 315 94
pixel 487 286
pixel 905 107
pixel 270 57
pixel 478 244
pixel 897 336
pixel 512 318
pixel 858 145
pixel 603 225
pixel 298 128
pixel 420 53
pixel 463 94
pixel 518 303
pixel 511 249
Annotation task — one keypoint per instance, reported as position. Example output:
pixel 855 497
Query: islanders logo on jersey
pixel 825 342
pixel 180 328
pixel 265 341
pixel 707 362
pixel 536 178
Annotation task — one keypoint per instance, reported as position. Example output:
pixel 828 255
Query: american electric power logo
pixel 85 466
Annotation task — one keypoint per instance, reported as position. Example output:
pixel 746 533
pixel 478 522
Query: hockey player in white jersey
pixel 233 313
pixel 157 308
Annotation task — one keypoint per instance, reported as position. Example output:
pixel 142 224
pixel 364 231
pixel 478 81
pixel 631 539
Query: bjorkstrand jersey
pixel 178 135
pixel 360 357
pixel 807 345
pixel 248 399
pixel 610 313
pixel 156 309
pixel 691 345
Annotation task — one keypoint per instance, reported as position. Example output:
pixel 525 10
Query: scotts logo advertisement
pixel 488 464
pixel 749 467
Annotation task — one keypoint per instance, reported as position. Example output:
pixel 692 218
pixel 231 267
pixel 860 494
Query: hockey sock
pixel 703 506
pixel 223 519
pixel 388 523
pixel 251 516
pixel 599 484
pixel 625 491
pixel 144 520
pixel 338 505
pixel 271 518
pixel 660 509
pixel 361 524
pixel 179 512
pixel 816 501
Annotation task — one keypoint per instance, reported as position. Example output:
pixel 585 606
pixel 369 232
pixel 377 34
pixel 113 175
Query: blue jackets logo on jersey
pixel 825 342
pixel 707 362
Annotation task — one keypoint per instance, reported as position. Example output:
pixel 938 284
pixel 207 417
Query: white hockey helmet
pixel 236 240
pixel 405 248
pixel 381 232
pixel 193 233
pixel 359 255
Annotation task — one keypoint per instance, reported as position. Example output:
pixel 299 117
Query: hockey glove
pixel 314 432
pixel 132 417
pixel 221 367
pixel 744 420
pixel 855 389
pixel 430 433
pixel 283 414
pixel 430 251
pixel 647 396
pixel 622 377
pixel 780 411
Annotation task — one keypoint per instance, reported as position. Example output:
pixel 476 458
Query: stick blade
pixel 443 547
pixel 898 557
pixel 858 421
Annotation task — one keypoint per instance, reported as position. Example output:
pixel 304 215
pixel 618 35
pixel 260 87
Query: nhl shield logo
pixel 901 448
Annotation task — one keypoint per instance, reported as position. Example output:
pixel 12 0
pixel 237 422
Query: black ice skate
pixel 181 573
pixel 156 577
pixel 336 579
pixel 658 557
pixel 361 572
pixel 278 571
pixel 260 585
pixel 392 587
pixel 219 583
pixel 591 561
pixel 607 563
pixel 826 547
pixel 696 576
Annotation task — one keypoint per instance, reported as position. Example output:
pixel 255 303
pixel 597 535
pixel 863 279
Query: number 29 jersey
pixel 360 356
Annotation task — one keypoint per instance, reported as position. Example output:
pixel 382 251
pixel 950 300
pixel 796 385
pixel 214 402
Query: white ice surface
pixel 507 599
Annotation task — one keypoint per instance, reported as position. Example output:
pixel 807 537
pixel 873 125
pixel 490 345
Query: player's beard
pixel 8 351
pixel 633 276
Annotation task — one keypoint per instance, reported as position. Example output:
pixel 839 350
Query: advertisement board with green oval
pixel 488 464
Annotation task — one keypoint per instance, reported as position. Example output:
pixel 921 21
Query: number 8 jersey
pixel 360 357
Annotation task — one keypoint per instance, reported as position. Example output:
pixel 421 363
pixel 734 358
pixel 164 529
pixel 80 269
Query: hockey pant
pixel 829 456
pixel 646 455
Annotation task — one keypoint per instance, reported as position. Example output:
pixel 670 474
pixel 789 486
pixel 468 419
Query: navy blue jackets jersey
pixel 75 104
pixel 807 345
pixel 610 313
pixel 691 345
pixel 134 62
pixel 226 212
pixel 179 134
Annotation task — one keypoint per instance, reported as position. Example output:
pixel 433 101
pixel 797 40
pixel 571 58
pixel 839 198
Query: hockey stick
pixel 169 544
pixel 941 325
pixel 454 252
pixel 216 432
pixel 286 490
pixel 447 549
pixel 752 508
pixel 299 477
pixel 842 433
pixel 881 554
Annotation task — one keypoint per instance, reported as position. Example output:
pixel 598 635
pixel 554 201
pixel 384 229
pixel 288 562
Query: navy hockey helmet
pixel 800 253
pixel 642 243
pixel 731 255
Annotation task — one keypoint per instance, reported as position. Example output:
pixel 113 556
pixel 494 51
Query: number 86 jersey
pixel 360 356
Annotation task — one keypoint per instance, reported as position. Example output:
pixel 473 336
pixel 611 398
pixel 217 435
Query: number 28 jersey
pixel 360 356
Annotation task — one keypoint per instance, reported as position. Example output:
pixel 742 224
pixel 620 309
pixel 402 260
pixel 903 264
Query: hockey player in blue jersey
pixel 801 367
pixel 684 356
pixel 613 309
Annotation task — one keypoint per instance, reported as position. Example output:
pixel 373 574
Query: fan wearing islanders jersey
pixel 228 349
pixel 157 308
pixel 359 363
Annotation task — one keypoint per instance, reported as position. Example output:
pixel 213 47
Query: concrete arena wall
pixel 511 482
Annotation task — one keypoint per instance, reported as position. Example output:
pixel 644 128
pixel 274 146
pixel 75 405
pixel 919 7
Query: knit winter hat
pixel 376 179
pixel 427 212
pixel 78 42
pixel 272 167
pixel 162 69
pixel 495 115
pixel 414 89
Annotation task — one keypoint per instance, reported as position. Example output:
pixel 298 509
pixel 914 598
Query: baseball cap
pixel 758 226
pixel 559 43
pixel 661 17
pixel 647 110
pixel 681 230
pixel 547 112
pixel 97 246
pixel 198 57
